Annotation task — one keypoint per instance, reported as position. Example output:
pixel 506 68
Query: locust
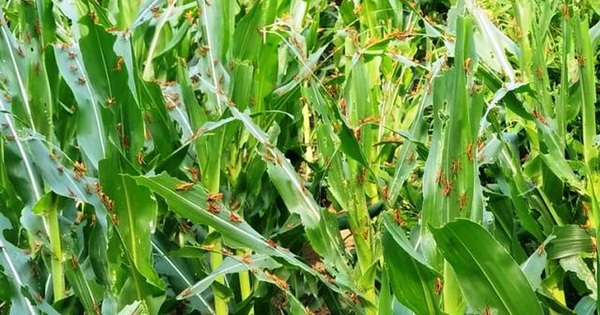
pixel 185 186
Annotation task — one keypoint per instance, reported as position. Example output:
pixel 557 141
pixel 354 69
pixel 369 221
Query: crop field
pixel 299 157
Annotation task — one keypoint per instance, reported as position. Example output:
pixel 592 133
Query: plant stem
pixel 561 108
pixel 245 287
pixel 451 292
pixel 523 16
pixel 58 276
pixel 585 59
pixel 211 179
pixel 359 220
pixel 306 131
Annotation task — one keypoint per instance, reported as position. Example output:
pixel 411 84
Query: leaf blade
pixel 475 257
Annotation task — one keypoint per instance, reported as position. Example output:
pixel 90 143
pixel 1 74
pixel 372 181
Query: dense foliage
pixel 299 156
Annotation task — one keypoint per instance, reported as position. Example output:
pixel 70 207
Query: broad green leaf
pixel 452 187
pixel 91 132
pixel 71 11
pixel 137 288
pixel 534 266
pixel 335 171
pixel 497 42
pixel 576 265
pixel 178 39
pixel 134 308
pixel 177 110
pixel 34 102
pixel 109 76
pixel 570 240
pixel 193 204
pixel 65 181
pixel 134 213
pixel 160 125
pixel 122 47
pixel 247 42
pixel 286 180
pixel 16 267
pixel 403 59
pixel 13 63
pixel 595 35
pixel 586 306
pixel 482 267
pixel 413 281
pixel 135 217
pixel 491 151
pixel 21 164
pixel 322 231
pixel 503 91
pixel 513 184
pixel 586 66
pixel 77 273
pixel 386 297
pixel 305 72
pixel 176 269
pixel 149 70
pixel 144 13
pixel 217 22
pixel 228 266
pixel 555 161
pixel 418 130
pixel 434 110
pixel 553 304
pixel 295 306
pixel 350 145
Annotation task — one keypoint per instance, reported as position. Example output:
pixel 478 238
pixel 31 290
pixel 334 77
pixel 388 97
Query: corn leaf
pixel 474 255
pixel 193 204
pixel 412 279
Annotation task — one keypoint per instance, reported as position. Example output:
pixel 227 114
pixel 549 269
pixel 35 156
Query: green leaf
pixel 91 132
pixel 88 292
pixel 228 266
pixel 135 217
pixel 247 41
pixel 217 22
pixel 14 64
pixel 417 132
pixel 570 240
pixel 322 231
pixel 16 267
pixel 19 160
pixel 586 306
pixel 109 76
pixel 160 125
pixel 286 180
pixel 62 179
pixel 135 211
pixel 534 266
pixel 413 280
pixel 482 267
pixel 137 288
pixel 179 275
pixel 493 39
pixel 576 265
pixel 193 205
pixel 349 145
pixel 134 308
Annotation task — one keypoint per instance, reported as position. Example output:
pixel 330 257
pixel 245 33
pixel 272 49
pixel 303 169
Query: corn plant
pixel 301 157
